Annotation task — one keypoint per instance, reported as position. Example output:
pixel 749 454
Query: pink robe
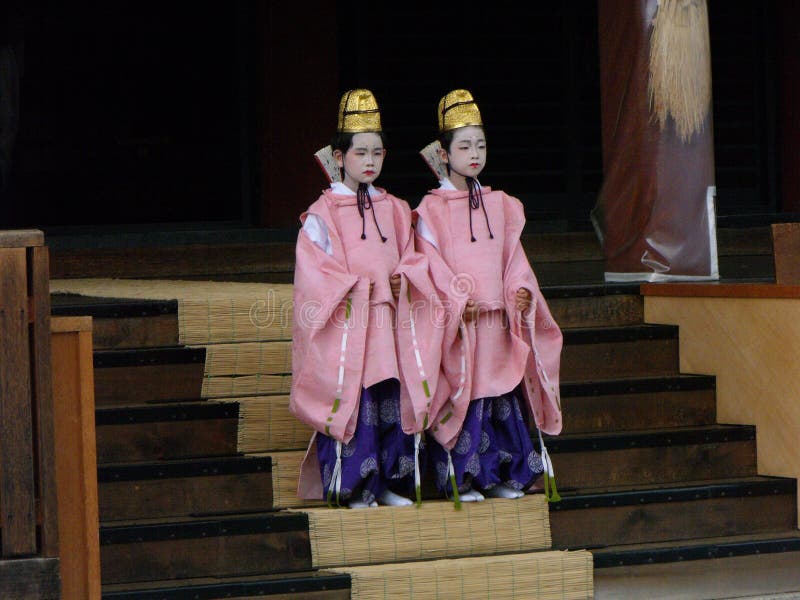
pixel 344 340
pixel 503 347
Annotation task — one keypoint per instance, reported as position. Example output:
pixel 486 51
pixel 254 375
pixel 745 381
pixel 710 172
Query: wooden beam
pixel 30 579
pixel 720 290
pixel 786 250
pixel 76 470
pixel 41 374
pixel 21 238
pixel 17 513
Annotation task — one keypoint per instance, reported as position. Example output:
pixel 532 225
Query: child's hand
pixel 394 283
pixel 470 312
pixel 523 300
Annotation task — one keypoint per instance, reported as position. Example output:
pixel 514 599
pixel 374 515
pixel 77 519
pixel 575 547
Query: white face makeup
pixel 363 161
pixel 467 155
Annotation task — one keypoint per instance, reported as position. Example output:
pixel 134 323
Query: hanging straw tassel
pixel 550 489
pixel 452 474
pixel 417 478
pixel 679 82
pixel 336 477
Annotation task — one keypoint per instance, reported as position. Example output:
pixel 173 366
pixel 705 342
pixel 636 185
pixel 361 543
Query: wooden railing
pixel 29 545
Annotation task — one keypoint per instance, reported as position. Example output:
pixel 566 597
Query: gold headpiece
pixel 358 112
pixel 458 109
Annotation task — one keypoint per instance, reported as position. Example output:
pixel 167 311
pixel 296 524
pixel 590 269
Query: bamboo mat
pixel 247 368
pixel 265 423
pixel 208 311
pixel 285 475
pixel 245 385
pixel 548 575
pixel 433 530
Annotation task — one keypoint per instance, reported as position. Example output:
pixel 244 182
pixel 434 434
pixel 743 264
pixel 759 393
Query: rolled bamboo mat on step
pixel 434 530
pixel 208 311
pixel 548 575
pixel 285 474
pixel 245 385
pixel 248 358
pixel 265 423
pixel 247 368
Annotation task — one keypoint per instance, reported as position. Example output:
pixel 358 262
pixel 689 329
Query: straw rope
pixel 550 575
pixel 432 530
pixel 680 65
pixel 265 423
pixel 285 474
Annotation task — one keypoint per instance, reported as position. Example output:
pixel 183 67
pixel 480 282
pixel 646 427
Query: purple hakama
pixel 494 447
pixel 379 457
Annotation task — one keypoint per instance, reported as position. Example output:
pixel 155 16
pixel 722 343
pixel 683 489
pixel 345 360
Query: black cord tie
pixel 475 201
pixel 364 202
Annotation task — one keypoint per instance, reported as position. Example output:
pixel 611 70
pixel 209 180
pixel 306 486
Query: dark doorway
pixel 131 113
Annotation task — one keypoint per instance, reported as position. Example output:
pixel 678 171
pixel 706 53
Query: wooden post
pixel 38 262
pixel 17 487
pixel 29 561
pixel 76 469
pixel 786 253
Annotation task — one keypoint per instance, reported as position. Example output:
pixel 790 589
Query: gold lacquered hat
pixel 358 112
pixel 458 109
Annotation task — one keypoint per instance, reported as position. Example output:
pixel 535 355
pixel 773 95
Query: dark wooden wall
pixel 209 117
pixel 297 83
pixel 788 79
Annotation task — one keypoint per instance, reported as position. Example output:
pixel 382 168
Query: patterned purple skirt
pixel 494 447
pixel 380 456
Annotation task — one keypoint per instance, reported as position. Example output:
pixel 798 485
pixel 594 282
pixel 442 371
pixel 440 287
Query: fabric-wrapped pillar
pixel 655 212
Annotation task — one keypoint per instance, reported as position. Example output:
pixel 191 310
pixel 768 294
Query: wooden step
pixel 313 585
pixel 638 403
pixel 673 455
pixel 598 305
pixel 700 549
pixel 123 323
pixel 615 352
pixel 651 513
pixel 184 487
pixel 613 405
pixel 187 548
pixel 655 456
pixel 205 260
pixel 557 257
pixel 166 431
pixel 138 376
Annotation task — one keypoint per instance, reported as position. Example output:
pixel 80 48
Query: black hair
pixel 344 141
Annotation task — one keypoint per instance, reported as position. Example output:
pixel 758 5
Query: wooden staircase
pixel 645 471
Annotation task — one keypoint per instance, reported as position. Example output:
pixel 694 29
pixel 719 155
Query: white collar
pixel 446 184
pixel 337 187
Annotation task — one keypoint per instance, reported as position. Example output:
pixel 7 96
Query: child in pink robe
pixel 501 348
pixel 365 353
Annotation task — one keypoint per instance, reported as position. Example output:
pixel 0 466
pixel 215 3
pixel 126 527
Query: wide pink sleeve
pixel 452 394
pixel 328 341
pixel 536 328
pixel 419 331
